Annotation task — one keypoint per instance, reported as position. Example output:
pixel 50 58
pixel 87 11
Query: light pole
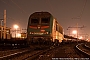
pixel 77 29
pixel 1 20
pixel 74 32
pixel 16 26
pixel 69 31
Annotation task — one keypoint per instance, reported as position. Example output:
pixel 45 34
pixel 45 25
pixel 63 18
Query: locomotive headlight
pixel 46 32
pixel 30 33
pixel 38 27
pixel 39 33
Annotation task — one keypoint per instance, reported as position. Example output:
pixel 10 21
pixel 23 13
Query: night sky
pixel 67 12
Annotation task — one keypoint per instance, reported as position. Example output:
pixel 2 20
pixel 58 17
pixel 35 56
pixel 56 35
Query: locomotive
pixel 44 28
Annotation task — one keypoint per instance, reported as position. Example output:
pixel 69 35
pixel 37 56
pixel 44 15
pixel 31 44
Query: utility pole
pixel 69 31
pixel 4 24
pixel 76 28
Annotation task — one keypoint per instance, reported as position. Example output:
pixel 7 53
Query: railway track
pixel 7 52
pixel 12 53
pixel 46 53
pixel 84 49
pixel 35 54
pixel 24 54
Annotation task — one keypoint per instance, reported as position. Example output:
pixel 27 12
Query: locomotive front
pixel 38 29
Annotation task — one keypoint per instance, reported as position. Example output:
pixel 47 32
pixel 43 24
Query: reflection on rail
pixel 83 49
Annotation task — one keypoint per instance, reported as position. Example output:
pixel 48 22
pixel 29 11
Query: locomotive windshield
pixel 40 20
pixel 34 21
pixel 45 20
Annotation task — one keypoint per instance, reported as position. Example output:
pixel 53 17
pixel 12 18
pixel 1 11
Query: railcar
pixel 43 27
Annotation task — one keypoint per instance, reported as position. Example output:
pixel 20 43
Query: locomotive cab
pixel 42 28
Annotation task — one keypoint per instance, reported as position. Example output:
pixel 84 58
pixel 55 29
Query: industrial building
pixel 7 31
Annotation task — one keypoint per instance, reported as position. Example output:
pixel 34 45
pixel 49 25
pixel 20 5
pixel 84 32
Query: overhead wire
pixel 83 9
pixel 3 1
pixel 22 10
pixel 7 4
pixel 3 13
pixel 49 4
pixel 13 8
pixel 18 6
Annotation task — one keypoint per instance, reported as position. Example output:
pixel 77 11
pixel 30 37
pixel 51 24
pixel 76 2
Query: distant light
pixel 80 37
pixel 16 26
pixel 18 35
pixel 74 32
